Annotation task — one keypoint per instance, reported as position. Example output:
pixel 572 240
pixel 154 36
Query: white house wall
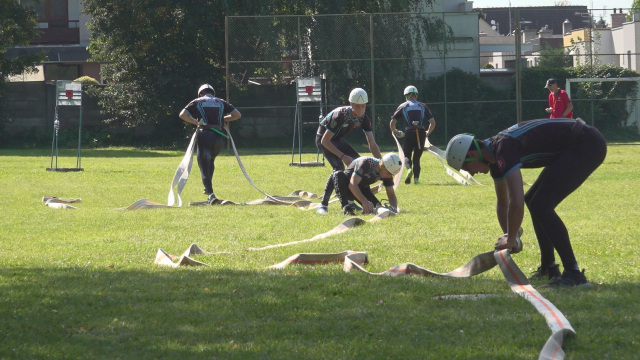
pixel 604 47
pixel 463 52
pixel 617 37
pixel 630 35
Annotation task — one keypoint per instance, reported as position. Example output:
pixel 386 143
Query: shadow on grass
pixel 294 313
pixel 91 153
pixel 140 153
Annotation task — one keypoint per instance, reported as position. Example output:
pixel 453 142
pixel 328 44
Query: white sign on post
pixel 68 93
pixel 309 89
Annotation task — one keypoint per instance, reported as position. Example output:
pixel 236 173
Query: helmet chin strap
pixel 480 157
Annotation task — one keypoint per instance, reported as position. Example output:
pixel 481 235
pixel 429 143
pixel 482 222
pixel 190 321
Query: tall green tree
pixel 554 58
pixel 635 7
pixel 18 27
pixel 160 51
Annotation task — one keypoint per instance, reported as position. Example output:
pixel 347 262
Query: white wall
pixel 604 45
pixel 464 48
pixel 617 37
pixel 629 44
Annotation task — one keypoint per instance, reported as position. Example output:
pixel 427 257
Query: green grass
pixel 59 297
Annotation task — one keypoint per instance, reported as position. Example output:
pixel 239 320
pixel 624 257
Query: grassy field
pixel 82 284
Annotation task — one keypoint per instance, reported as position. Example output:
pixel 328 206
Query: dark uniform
pixel 364 168
pixel 210 140
pixel 414 114
pixel 339 122
pixel 569 153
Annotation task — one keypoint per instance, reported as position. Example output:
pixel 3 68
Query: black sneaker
pixel 349 210
pixel 569 278
pixel 549 273
pixel 212 200
pixel 355 206
pixel 408 179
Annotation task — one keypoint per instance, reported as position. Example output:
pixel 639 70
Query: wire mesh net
pixel 464 65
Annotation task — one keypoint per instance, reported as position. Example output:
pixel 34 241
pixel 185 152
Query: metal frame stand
pixel 309 90
pixel 67 96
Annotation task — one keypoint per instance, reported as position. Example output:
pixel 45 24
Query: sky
pixel 605 7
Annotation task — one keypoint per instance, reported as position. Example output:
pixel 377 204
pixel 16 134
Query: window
pixel 54 12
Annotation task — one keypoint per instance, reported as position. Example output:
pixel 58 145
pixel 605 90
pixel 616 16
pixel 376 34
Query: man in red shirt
pixel 560 105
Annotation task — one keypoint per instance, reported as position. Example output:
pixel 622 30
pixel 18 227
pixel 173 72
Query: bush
pixel 87 80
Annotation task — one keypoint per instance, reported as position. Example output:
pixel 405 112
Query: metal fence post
pixel 518 39
pixel 226 54
pixel 373 82
pixel 444 72
pixel 591 60
pixel 300 72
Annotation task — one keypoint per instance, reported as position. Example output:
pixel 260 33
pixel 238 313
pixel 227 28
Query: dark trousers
pixel 210 144
pixel 411 146
pixel 341 182
pixel 555 183
pixel 335 161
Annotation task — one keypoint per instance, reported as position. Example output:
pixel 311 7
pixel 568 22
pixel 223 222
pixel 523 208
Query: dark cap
pixel 550 82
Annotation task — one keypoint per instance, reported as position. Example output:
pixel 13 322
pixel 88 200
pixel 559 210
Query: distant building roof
pixel 539 16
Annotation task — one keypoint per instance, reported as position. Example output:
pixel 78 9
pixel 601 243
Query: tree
pixel 160 51
pixel 554 58
pixel 18 27
pixel 635 7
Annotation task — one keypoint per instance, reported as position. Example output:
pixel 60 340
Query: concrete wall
pixel 31 106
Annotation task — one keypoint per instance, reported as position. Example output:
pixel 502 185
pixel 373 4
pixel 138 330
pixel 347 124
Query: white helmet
pixel 358 96
pixel 392 163
pixel 410 90
pixel 457 150
pixel 204 87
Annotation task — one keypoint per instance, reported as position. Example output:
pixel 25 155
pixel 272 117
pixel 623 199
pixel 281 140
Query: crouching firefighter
pixel 354 182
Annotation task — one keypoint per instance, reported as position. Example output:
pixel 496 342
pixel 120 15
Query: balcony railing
pixel 58 33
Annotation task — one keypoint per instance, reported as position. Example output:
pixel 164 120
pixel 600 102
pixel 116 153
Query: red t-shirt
pixel 558 102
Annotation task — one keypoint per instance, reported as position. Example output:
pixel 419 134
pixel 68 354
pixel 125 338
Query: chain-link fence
pixel 464 65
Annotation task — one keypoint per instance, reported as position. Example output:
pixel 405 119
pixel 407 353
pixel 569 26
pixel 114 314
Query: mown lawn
pixel 81 283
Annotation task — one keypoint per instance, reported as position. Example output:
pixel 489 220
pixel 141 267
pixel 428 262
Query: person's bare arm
pixel 326 142
pixel 515 210
pixel 569 109
pixel 233 116
pixel 367 206
pixel 392 126
pixel 373 146
pixel 432 126
pixel 184 115
pixel 391 195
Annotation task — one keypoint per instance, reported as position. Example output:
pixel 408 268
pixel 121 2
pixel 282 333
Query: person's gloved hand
pixel 399 134
pixel 201 122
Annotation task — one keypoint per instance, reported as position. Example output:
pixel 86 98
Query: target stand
pixel 308 90
pixel 68 93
